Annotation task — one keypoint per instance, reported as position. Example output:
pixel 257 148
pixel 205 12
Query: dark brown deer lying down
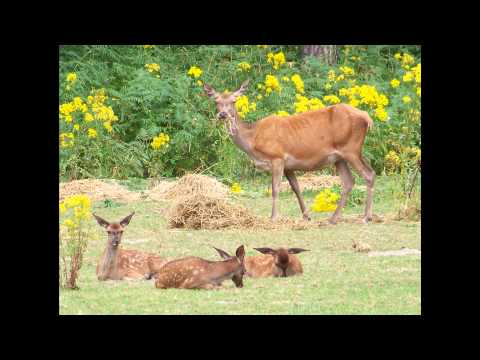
pixel 278 263
pixel 196 273
pixel 119 264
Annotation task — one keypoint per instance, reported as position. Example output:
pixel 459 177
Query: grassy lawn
pixel 336 279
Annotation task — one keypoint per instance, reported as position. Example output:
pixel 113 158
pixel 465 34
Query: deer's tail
pixel 369 121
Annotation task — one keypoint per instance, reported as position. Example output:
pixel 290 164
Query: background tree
pixel 327 53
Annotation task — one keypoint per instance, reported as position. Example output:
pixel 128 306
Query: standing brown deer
pixel 196 273
pixel 118 264
pixel 307 141
pixel 278 263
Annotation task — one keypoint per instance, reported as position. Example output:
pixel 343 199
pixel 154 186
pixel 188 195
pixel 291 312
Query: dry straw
pixel 97 190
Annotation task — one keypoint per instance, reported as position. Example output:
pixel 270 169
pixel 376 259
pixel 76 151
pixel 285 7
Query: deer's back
pixel 313 134
pixel 187 273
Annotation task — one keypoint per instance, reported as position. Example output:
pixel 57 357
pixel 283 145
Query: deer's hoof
pixel 306 218
pixel 332 221
pixel 366 219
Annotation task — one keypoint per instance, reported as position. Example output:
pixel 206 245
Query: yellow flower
pixel 327 86
pixel 159 141
pixel 392 161
pixel 62 208
pixel 406 99
pixel 66 140
pixel 325 201
pixel 332 99
pixel 242 106
pixel 395 83
pixel 297 80
pixel 398 56
pixel 419 91
pixel 286 79
pixel 92 133
pixel 381 114
pixel 408 76
pixel 259 97
pixel 253 106
pixel 331 75
pixel 152 67
pixel 76 127
pixel 244 66
pixel 277 59
pixel 148 46
pixel 107 125
pixel 417 71
pixel 71 77
pixel 271 82
pixel 340 78
pixel 282 113
pixel 407 59
pixel 354 101
pixel 236 188
pixel 260 86
pixel 88 117
pixel 195 72
pixel 348 71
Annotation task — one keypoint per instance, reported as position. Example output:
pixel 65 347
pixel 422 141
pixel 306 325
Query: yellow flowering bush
pixel 282 113
pixel 348 71
pixel 332 99
pixel 395 83
pixel 244 66
pixel 392 161
pixel 71 77
pixel 325 201
pixel 276 60
pixel 406 99
pixel 75 231
pixel 159 141
pixel 236 188
pixel 153 67
pixel 195 72
pixel 272 84
pixel 303 104
pixel 297 80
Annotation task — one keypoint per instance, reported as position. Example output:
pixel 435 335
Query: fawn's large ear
pixel 223 254
pixel 266 251
pixel 210 91
pixel 241 89
pixel 126 221
pixel 240 253
pixel 296 250
pixel 100 221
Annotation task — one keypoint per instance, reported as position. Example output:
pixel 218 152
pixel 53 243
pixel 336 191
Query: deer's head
pixel 240 269
pixel 114 229
pixel 225 101
pixel 281 256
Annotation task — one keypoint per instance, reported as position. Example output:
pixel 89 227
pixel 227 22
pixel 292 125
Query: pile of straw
pixel 189 186
pixel 97 190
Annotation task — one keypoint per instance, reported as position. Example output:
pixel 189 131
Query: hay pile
pixel 189 186
pixel 97 190
pixel 310 181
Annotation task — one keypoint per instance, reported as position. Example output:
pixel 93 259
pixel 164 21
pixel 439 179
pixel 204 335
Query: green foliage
pixel 170 101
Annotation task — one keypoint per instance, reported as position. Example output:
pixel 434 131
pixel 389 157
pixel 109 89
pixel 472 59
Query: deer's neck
pixel 225 269
pixel 241 133
pixel 109 262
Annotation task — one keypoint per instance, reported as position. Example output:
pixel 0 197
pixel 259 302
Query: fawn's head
pixel 114 229
pixel 240 271
pixel 225 101
pixel 281 256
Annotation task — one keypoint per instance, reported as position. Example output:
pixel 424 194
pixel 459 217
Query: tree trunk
pixel 326 53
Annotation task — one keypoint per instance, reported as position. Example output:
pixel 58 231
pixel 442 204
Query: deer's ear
pixel 266 251
pixel 210 91
pixel 100 221
pixel 223 254
pixel 126 221
pixel 296 250
pixel 240 253
pixel 241 89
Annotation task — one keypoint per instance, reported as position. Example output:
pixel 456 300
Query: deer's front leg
pixel 277 172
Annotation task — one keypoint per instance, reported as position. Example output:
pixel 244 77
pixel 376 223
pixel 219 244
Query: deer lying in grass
pixel 196 273
pixel 307 141
pixel 119 264
pixel 278 263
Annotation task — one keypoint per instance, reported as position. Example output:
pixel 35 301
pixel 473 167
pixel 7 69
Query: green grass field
pixel 336 279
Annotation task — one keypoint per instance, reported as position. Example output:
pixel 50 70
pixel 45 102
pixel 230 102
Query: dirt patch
pixel 97 190
pixel 401 252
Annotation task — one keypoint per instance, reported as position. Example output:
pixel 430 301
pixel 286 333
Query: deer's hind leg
pixel 347 185
pixel 292 179
pixel 367 173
